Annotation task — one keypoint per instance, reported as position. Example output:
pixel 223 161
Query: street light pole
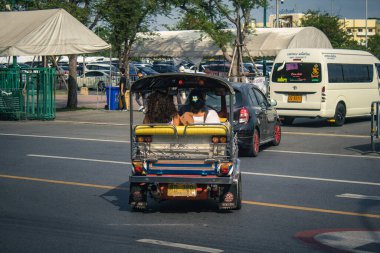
pixel 277 14
pixel 366 25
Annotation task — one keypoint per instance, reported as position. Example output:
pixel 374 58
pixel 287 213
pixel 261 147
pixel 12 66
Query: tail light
pixel 225 168
pixel 244 115
pixel 323 94
pixel 219 139
pixel 144 139
pixel 138 168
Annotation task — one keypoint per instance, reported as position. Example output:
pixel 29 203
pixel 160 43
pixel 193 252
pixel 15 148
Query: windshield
pixel 297 72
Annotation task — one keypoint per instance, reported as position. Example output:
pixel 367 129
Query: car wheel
pixel 276 134
pixel 340 115
pixel 288 120
pixel 255 146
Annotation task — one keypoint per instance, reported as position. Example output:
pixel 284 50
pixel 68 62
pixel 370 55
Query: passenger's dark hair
pixel 122 70
pixel 197 101
pixel 161 108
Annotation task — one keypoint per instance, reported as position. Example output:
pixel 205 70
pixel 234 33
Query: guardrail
pixel 375 123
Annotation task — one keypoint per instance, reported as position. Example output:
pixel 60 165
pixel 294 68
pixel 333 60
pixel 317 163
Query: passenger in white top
pixel 198 113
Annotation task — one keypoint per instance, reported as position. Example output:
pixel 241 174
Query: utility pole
pixel 366 25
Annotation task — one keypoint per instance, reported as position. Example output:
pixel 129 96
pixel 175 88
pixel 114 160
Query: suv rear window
pixel 297 72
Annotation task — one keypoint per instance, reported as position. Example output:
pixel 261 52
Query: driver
pixel 197 112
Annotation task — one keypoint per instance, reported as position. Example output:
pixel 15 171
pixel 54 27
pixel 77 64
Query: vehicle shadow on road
pixel 119 196
pixel 365 206
pixel 365 149
pixel 320 123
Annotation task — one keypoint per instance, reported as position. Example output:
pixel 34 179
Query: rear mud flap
pixel 228 197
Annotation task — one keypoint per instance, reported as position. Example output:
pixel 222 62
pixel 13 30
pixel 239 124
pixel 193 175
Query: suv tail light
pixel 138 168
pixel 244 115
pixel 224 169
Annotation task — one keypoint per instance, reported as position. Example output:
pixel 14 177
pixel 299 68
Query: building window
pixel 349 30
pixel 370 30
pixel 360 30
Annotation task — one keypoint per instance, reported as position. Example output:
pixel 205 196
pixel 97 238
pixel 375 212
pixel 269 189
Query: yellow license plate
pixel 182 190
pixel 295 99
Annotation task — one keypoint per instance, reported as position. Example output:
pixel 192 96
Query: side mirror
pixel 272 102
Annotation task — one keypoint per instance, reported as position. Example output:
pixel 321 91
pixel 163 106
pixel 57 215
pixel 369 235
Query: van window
pixel 297 72
pixel 350 73
pixel 378 70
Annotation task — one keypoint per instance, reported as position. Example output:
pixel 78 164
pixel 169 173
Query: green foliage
pixel 374 45
pixel 331 26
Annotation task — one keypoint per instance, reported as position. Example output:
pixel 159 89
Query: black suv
pixel 255 119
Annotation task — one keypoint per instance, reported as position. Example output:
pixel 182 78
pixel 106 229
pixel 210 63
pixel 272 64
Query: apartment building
pixel 354 27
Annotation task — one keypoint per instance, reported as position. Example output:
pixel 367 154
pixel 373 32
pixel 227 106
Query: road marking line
pixel 328 135
pixel 76 158
pixel 309 209
pixel 90 123
pixel 244 201
pixel 357 196
pixel 246 173
pixel 156 225
pixel 313 178
pixel 63 182
pixel 323 154
pixel 180 245
pixel 62 137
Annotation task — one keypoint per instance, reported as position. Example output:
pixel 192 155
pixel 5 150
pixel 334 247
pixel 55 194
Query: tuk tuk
pixel 185 162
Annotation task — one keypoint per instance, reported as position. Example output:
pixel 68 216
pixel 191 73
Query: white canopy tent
pixel 196 44
pixel 46 32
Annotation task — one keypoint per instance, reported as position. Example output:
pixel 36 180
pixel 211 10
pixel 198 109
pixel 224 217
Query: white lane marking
pixel 180 245
pixel 90 123
pixel 62 137
pixel 76 158
pixel 328 135
pixel 313 178
pixel 322 154
pixel 156 225
pixel 357 196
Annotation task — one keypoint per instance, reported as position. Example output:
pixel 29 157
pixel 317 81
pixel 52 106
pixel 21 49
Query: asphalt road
pixel 64 188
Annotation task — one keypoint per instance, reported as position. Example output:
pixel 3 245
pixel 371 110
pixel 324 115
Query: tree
pixel 211 16
pixel 374 45
pixel 331 26
pixel 125 19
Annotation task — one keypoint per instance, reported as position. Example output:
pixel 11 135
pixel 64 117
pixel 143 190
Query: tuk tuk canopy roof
pixel 181 80
pixel 46 32
pixel 194 43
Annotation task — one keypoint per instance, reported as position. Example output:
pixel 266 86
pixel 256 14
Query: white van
pixel 327 83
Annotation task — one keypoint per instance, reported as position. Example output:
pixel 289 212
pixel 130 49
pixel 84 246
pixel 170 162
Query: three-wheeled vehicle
pixel 185 162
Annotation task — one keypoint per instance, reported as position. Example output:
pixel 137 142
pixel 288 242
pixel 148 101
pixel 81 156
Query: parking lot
pixel 64 188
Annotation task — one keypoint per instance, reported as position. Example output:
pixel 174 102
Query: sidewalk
pixel 94 111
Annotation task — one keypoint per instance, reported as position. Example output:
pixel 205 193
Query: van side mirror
pixel 272 102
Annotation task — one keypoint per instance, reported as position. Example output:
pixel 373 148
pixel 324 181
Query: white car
pixel 95 79
pixel 101 67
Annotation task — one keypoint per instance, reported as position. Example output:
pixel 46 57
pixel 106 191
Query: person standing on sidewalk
pixel 123 90
pixel 140 94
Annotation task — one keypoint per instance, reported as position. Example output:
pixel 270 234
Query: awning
pixel 194 43
pixel 46 32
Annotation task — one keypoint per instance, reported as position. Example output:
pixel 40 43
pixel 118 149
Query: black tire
pixel 255 145
pixel 276 134
pixel 288 120
pixel 340 114
pixel 239 193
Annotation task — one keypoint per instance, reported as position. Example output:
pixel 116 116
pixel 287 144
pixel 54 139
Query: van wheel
pixel 288 120
pixel 255 146
pixel 340 114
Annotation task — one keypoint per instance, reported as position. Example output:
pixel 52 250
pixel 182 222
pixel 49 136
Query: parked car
pixel 256 121
pixel 220 70
pixel 147 71
pixel 95 79
pixel 164 68
pixel 101 66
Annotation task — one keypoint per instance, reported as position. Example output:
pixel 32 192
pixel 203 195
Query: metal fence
pixel 375 123
pixel 27 93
